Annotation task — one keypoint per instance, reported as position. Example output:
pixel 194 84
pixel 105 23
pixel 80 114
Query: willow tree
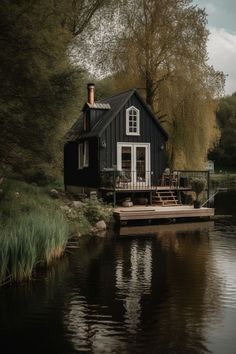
pixel 190 103
pixel 161 47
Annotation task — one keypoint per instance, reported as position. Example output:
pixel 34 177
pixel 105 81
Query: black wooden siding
pixel 86 177
pixel 149 133
pixel 94 115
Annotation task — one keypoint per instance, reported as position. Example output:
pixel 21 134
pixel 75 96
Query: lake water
pixel 169 289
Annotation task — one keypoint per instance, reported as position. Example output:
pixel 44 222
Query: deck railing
pixel 126 180
pixel 133 180
pixel 186 176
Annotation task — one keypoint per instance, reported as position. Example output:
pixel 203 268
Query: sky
pixel 222 38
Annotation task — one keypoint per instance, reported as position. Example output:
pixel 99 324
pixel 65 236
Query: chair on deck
pixel 170 179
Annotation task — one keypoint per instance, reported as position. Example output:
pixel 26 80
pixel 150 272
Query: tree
pixel 190 119
pixel 160 47
pixel 224 153
pixel 39 85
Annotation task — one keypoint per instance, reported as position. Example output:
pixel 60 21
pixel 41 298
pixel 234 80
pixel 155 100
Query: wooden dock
pixel 159 212
pixel 162 230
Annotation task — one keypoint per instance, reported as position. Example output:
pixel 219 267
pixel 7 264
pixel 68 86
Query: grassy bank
pixel 227 180
pixel 35 239
pixel 35 228
pixel 33 231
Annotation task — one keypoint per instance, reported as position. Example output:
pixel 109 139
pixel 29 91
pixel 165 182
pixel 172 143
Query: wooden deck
pixel 158 212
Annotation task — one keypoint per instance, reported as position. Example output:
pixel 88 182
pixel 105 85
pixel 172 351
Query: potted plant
pixel 198 186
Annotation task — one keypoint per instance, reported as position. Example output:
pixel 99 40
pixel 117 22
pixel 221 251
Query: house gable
pixel 104 111
pixel 125 100
pixel 150 132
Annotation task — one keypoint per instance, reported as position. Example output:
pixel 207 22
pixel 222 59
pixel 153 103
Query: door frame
pixel 134 160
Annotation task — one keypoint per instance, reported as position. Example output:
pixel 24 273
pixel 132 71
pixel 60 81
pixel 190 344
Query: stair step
pixel 170 205
pixel 163 193
pixel 166 198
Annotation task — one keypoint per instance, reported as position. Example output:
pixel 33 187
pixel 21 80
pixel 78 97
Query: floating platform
pixel 159 212
pixel 162 230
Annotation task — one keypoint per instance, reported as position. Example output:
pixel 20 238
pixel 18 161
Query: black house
pixel 117 143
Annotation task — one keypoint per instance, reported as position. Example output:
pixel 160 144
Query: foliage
pixel 198 185
pixel 78 223
pixel 224 153
pixel 95 210
pixel 35 238
pixel 39 85
pixel 190 120
pixel 35 228
pixel 20 198
pixel 161 48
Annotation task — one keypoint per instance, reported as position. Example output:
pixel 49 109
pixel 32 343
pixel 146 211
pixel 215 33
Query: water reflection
pixel 158 289
pixel 133 285
pixel 156 296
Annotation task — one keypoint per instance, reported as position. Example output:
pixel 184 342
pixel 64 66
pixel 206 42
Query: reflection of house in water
pixel 145 291
pixel 131 286
pixel 100 324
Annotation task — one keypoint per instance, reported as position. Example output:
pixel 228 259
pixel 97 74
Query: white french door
pixel 134 160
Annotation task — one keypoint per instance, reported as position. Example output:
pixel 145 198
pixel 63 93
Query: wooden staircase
pixel 165 198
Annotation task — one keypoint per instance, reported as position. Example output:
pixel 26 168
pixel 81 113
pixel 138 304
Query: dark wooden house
pixel 117 143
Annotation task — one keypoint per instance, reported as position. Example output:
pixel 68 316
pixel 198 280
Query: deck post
pixel 114 198
pixel 150 197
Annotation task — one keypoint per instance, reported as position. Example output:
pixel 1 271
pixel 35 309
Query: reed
pixel 36 238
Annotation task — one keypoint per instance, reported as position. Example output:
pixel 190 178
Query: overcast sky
pixel 222 39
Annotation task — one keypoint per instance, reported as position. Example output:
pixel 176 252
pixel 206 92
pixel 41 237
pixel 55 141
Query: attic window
pixel 132 121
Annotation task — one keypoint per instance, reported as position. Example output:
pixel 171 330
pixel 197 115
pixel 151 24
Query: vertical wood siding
pixel 149 133
pixel 86 177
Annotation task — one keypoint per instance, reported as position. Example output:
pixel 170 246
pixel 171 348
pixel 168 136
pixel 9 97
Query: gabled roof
pixel 115 103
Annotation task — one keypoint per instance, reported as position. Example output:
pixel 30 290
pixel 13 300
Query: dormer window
pixel 132 121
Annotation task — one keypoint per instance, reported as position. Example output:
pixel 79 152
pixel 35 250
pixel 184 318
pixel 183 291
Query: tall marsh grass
pixel 34 239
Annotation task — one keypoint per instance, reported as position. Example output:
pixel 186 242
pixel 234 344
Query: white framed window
pixel 80 156
pixel 83 155
pixel 86 154
pixel 132 121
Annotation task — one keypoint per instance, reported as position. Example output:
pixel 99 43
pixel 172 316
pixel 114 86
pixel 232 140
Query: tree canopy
pixel 161 47
pixel 39 87
pixel 224 154
pixel 157 46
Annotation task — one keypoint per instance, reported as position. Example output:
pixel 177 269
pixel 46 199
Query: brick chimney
pixel 91 88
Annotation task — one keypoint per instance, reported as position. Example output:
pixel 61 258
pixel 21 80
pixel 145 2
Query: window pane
pixel 86 153
pixel 132 121
pixel 140 163
pixel 126 161
pixel 80 156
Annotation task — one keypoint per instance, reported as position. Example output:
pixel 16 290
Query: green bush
pixel 95 210
pixel 38 176
pixel 198 185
